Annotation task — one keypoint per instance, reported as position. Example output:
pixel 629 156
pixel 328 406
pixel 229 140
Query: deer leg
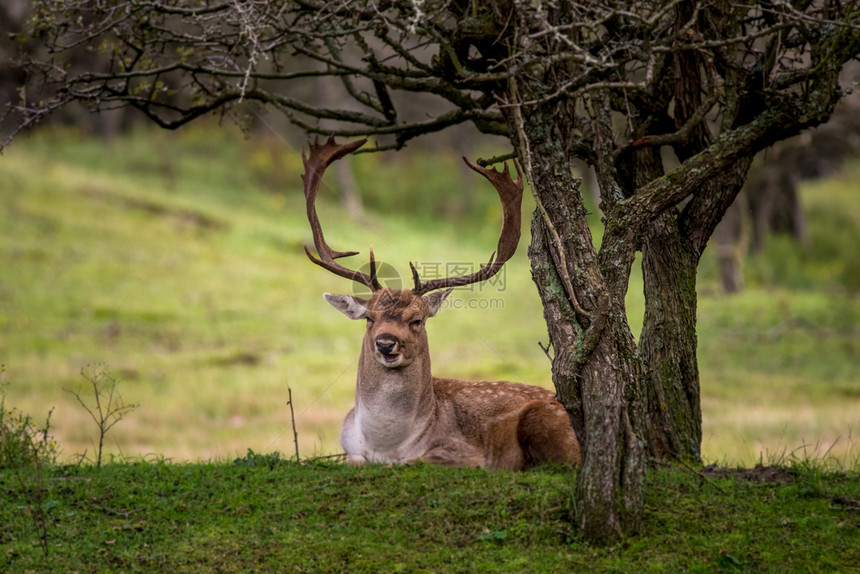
pixel 452 453
pixel 545 435
pixel 350 442
pixel 355 460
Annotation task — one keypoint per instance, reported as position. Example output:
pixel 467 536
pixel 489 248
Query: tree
pixel 668 101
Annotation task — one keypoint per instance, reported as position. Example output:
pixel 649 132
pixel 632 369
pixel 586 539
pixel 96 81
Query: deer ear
pixel 436 299
pixel 352 307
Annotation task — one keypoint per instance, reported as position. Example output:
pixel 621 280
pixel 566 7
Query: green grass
pixel 176 260
pixel 780 362
pixel 261 514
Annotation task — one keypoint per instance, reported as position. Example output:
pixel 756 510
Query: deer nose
pixel 386 346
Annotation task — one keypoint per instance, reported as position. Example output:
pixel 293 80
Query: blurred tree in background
pixel 770 203
pixel 668 102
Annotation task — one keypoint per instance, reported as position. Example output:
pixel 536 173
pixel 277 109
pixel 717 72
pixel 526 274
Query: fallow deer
pixel 402 413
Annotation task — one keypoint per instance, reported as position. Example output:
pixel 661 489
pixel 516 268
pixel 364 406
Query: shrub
pixel 22 442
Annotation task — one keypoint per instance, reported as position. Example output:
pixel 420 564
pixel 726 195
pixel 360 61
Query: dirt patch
pixel 758 474
pixel 241 358
pixel 183 217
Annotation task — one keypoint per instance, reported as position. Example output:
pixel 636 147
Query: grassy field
pixel 175 260
pixel 259 514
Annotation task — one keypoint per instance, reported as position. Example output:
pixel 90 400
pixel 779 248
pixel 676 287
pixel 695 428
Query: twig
pixel 546 349
pixel 704 479
pixel 679 136
pixel 339 455
pixel 496 159
pixel 293 421
pixel 125 513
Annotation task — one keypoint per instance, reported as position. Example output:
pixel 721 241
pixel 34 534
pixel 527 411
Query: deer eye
pixel 416 323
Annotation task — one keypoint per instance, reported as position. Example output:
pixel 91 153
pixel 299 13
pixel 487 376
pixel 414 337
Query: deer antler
pixel 511 194
pixel 321 155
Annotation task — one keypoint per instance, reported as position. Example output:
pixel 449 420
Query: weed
pixel 252 458
pixel 27 451
pixel 23 444
pixel 109 407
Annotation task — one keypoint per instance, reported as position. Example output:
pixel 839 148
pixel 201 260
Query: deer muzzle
pixel 388 348
pixel 387 344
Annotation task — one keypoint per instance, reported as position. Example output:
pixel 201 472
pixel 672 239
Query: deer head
pixel 395 334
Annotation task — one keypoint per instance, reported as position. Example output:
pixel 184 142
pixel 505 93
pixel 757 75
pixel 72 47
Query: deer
pixel 402 413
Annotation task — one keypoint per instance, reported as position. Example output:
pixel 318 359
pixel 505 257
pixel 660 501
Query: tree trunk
pixel 729 238
pixel 774 205
pixel 596 368
pixel 672 246
pixel 668 343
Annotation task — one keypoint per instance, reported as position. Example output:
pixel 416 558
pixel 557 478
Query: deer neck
pixel 393 405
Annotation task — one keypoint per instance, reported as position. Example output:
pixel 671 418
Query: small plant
pixel 27 450
pixel 22 442
pixel 109 406
pixel 494 536
pixel 270 460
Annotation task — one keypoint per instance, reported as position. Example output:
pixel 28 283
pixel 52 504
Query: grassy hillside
pixel 175 260
pixel 260 514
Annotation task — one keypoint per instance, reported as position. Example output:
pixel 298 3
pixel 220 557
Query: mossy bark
pixel 596 368
pixel 668 343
